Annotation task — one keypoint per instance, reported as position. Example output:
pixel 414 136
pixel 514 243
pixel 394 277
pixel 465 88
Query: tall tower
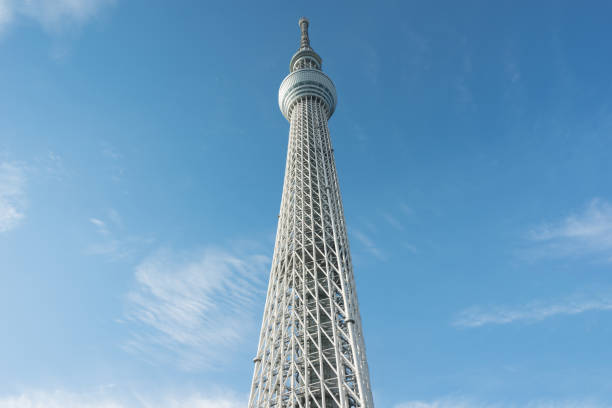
pixel 311 352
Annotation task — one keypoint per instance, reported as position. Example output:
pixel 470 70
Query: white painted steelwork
pixel 306 82
pixel 311 351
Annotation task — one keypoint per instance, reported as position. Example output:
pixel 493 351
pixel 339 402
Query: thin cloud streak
pixel 586 233
pixel 531 312
pixel 444 403
pixel 369 244
pixel 193 308
pixel 51 14
pixel 406 209
pixel 112 241
pixel 58 399
pixel 391 220
pixel 105 399
pixel 12 195
pixel 460 402
pixel 101 226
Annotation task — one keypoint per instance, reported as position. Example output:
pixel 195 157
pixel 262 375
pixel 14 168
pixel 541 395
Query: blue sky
pixel 141 164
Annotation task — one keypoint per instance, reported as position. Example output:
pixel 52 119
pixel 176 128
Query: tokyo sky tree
pixel 311 351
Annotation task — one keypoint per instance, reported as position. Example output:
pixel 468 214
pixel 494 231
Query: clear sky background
pixel 141 164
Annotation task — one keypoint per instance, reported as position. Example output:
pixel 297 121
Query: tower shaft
pixel 311 352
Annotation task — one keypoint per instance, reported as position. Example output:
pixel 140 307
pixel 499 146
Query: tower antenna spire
pixel 304 41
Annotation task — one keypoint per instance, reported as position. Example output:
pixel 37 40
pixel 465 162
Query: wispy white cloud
pixel 194 308
pixel 12 195
pixel 462 402
pixel 225 400
pixel 406 209
pixel 533 311
pixel 396 217
pixel 410 247
pixel 588 232
pixel 6 14
pixel 369 245
pixel 100 225
pixel 444 403
pixel 112 240
pixel 394 222
pixel 51 14
pixel 58 399
pixel 104 399
pixel 52 165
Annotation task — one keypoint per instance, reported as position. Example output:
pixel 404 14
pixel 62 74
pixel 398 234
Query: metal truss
pixel 311 351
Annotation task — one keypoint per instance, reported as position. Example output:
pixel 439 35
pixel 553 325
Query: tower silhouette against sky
pixel 311 351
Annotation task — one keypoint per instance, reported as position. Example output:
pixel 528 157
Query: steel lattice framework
pixel 311 351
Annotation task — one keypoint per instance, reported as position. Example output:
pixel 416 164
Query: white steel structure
pixel 311 352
